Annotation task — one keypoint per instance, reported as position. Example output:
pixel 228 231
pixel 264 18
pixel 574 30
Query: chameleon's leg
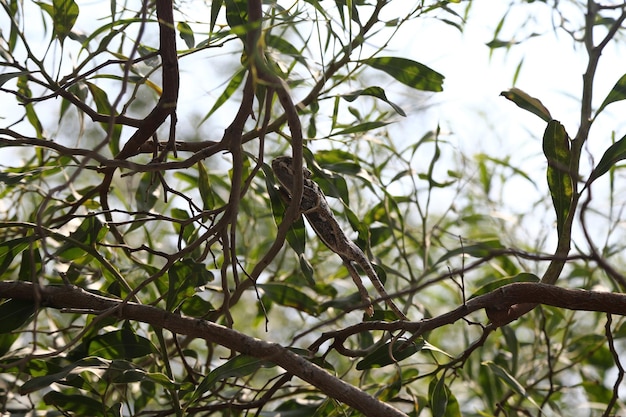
pixel 369 309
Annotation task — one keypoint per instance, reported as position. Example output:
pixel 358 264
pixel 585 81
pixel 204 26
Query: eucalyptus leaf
pixel 408 72
pixel 617 93
pixel 527 102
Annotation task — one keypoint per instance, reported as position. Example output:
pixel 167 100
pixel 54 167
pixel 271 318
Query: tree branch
pixel 71 297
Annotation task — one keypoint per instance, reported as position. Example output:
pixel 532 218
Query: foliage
pixel 142 251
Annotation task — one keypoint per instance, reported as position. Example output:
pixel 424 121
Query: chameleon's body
pixel 319 215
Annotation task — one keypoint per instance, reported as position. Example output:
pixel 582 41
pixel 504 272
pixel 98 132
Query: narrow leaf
pixel 44 381
pixel 64 17
pixel 289 296
pixel 439 395
pixel 477 250
pixel 296 236
pixel 362 127
pixel 10 75
pixel 509 380
pixel 522 277
pixel 146 194
pixel 120 344
pixel 238 366
pixel 506 377
pixel 285 47
pixel 307 270
pixel 32 117
pixel 232 86
pixel 216 5
pixel 31 264
pixel 374 92
pixel 104 106
pixel 9 250
pixel 204 186
pixel 408 72
pixel 556 148
pixel 380 357
pixel 184 277
pixel 90 232
pixel 339 161
pixel 79 405
pixel 527 102
pixel 616 94
pixel 186 34
pixel 615 153
pixel 14 314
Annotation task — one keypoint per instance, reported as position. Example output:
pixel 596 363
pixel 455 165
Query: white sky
pixel 470 109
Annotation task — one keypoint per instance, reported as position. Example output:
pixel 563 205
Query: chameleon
pixel 322 220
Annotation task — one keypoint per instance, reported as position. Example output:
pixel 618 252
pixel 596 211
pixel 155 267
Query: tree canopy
pixel 153 263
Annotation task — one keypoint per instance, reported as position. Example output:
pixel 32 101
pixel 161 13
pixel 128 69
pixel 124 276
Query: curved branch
pixel 72 297
pixel 498 305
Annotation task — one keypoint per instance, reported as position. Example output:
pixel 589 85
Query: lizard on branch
pixel 319 215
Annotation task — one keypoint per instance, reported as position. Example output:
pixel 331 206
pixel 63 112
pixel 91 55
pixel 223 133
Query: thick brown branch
pixel 75 298
pixel 502 305
pixel 168 100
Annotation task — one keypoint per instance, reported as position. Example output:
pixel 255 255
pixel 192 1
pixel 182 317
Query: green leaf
pixel 295 408
pixel 361 127
pixel 556 148
pixel 120 344
pixel 90 232
pixel 65 15
pixel 377 92
pixel 439 394
pixel 79 405
pixel 10 249
pixel 597 392
pixel 216 5
pixel 45 380
pixel 6 341
pixel 477 250
pixel 339 161
pixel 498 43
pixel 196 306
pixel 205 188
pixel 380 357
pixel 24 90
pixel 10 75
pixel 616 94
pixel 186 34
pixel 184 277
pixel 80 90
pixel 237 367
pixel 104 107
pixel 146 193
pixel 522 277
pixel 615 153
pixel 506 377
pixel 237 16
pixel 289 296
pixel 408 72
pixel 346 303
pixel 527 102
pixel 15 314
pixel 31 265
pixel 296 235
pixel 285 47
pixel 230 89
pixel 307 269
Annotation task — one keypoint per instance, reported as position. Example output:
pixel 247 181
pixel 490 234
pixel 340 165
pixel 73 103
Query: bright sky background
pixel 470 111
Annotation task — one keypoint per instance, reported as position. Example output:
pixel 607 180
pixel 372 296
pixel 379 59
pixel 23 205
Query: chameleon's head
pixel 283 169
